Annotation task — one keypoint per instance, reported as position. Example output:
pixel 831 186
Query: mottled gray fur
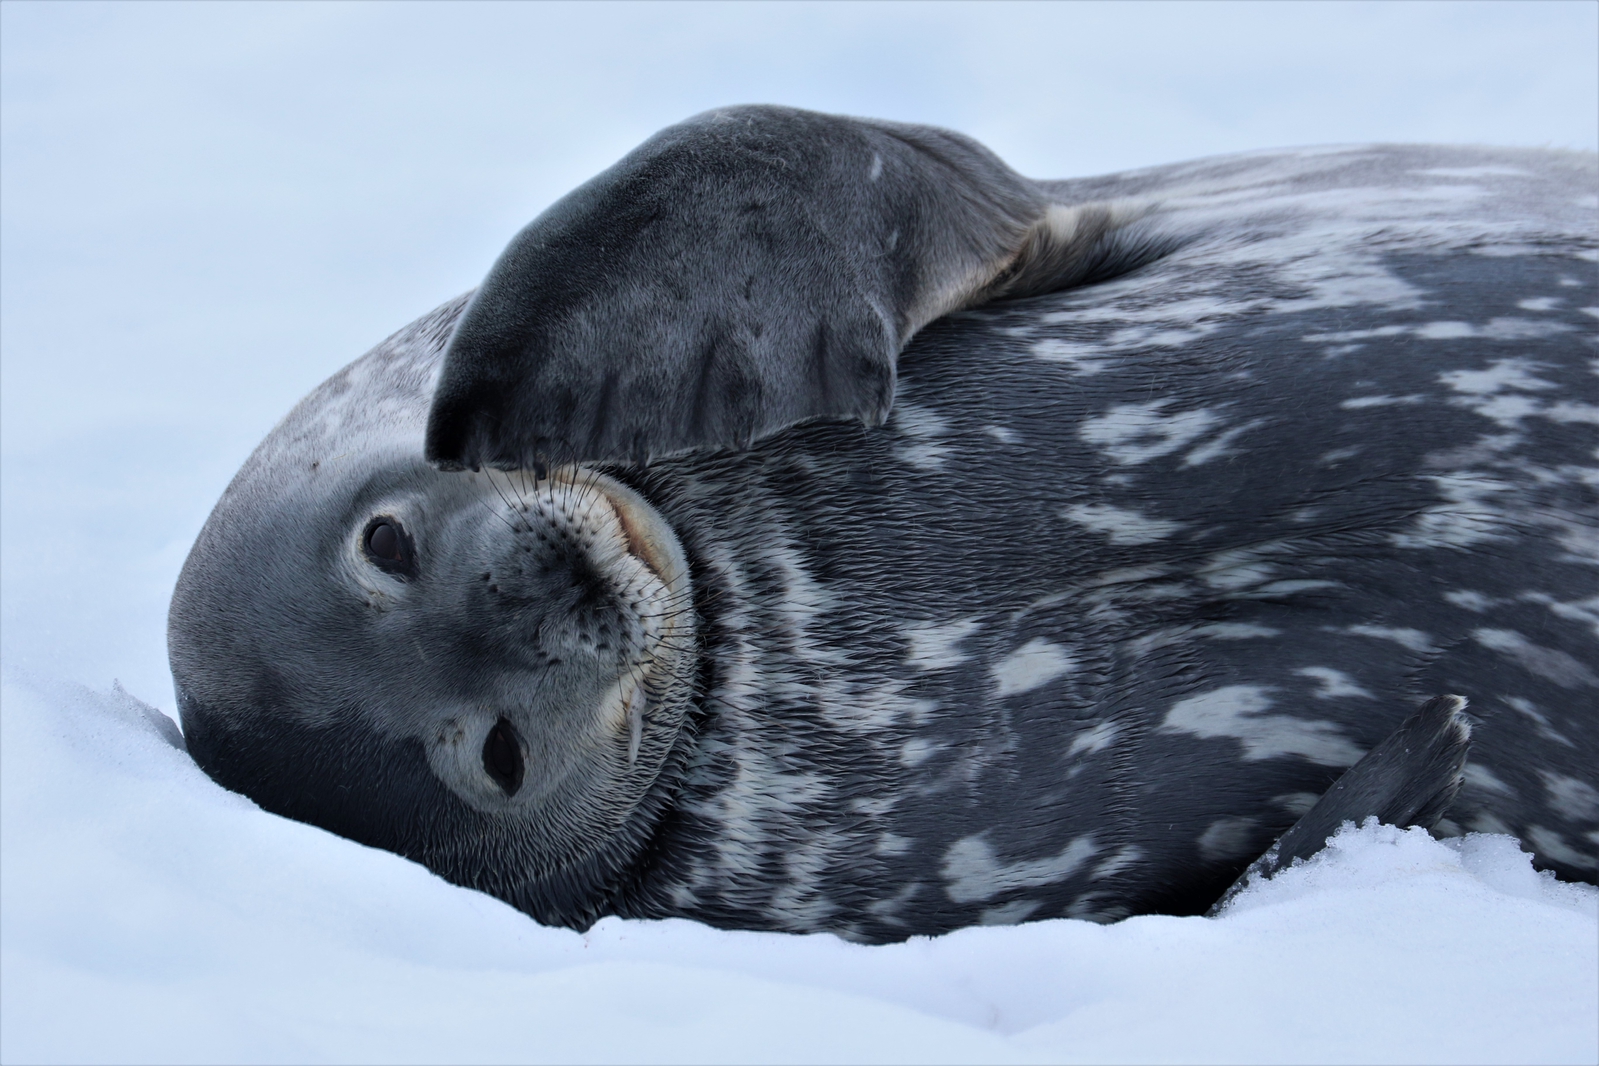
pixel 1266 451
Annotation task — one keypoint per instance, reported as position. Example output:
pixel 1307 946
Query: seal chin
pixel 651 541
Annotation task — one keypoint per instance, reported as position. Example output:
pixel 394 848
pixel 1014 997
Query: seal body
pixel 1130 574
pixel 968 683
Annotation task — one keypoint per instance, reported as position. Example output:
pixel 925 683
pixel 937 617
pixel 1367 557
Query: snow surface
pixel 207 209
pixel 152 916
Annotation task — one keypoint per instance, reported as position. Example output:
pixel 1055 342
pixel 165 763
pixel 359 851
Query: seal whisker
pixel 490 508
pixel 508 505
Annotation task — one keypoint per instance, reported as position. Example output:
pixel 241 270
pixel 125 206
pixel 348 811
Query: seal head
pixel 487 673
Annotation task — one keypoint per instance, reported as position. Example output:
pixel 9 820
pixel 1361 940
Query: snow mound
pixel 151 916
pixel 1376 856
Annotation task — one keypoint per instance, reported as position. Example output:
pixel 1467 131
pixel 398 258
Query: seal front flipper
pixel 1409 779
pixel 748 269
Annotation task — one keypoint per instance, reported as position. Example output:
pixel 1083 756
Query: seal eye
pixel 388 546
pixel 384 542
pixel 502 757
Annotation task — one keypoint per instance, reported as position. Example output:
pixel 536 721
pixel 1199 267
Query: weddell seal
pixel 810 524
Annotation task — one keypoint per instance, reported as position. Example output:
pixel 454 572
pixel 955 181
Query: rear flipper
pixel 1409 779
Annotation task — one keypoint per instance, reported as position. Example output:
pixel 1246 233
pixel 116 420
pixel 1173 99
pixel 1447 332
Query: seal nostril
pixel 502 757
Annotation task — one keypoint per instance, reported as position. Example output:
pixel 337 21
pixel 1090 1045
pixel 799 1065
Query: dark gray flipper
pixel 1409 779
pixel 748 269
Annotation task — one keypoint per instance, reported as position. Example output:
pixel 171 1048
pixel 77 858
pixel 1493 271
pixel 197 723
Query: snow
pixel 207 209
pixel 152 916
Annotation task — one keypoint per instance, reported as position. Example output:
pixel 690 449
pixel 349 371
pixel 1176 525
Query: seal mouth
pixel 648 537
pixel 650 541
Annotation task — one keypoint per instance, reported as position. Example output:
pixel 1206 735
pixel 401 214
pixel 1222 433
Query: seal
pixel 812 525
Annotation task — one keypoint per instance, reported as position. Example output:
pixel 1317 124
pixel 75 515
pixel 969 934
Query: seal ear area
pixel 746 270
pixel 340 776
pixel 380 792
pixel 1409 779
